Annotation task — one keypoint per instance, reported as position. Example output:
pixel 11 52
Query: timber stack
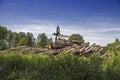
pixel 76 47
pixel 60 46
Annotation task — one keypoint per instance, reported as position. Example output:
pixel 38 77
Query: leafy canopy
pixel 77 37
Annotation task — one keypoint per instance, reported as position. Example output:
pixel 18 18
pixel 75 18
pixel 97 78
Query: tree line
pixel 117 40
pixel 13 39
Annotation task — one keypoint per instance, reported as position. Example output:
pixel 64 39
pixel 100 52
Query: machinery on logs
pixel 77 47
pixel 62 45
pixel 61 42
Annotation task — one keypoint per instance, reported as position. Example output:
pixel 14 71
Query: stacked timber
pixel 80 48
pixel 60 43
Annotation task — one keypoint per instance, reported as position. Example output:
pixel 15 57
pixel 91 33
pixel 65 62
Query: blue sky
pixel 97 20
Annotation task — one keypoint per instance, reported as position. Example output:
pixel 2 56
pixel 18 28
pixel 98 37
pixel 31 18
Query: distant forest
pixel 13 39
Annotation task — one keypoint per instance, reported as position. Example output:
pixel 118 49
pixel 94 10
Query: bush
pixel 61 67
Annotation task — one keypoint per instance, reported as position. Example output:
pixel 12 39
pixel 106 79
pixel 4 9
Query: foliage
pixel 62 67
pixel 9 38
pixel 13 39
pixel 117 40
pixel 17 66
pixel 30 40
pixel 42 40
pixel 49 41
pixel 2 45
pixel 112 48
pixel 113 63
pixel 76 37
pixel 3 32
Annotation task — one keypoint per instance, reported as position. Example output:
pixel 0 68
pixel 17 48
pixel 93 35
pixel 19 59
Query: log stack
pixel 61 46
pixel 80 49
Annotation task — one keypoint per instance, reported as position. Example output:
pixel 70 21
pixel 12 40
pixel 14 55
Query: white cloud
pixel 103 34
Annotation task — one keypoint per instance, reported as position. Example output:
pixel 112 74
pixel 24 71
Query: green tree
pixel 41 40
pixel 2 45
pixel 3 32
pixel 30 40
pixel 9 38
pixel 21 39
pixel 49 41
pixel 116 40
pixel 77 37
pixel 21 34
pixel 15 39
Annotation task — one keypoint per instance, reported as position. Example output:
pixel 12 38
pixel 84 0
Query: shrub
pixel 62 67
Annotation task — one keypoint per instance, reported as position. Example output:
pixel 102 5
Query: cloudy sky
pixel 97 20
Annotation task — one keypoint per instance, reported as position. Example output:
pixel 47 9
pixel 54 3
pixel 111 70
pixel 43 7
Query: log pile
pixel 81 49
pixel 60 46
pixel 78 49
